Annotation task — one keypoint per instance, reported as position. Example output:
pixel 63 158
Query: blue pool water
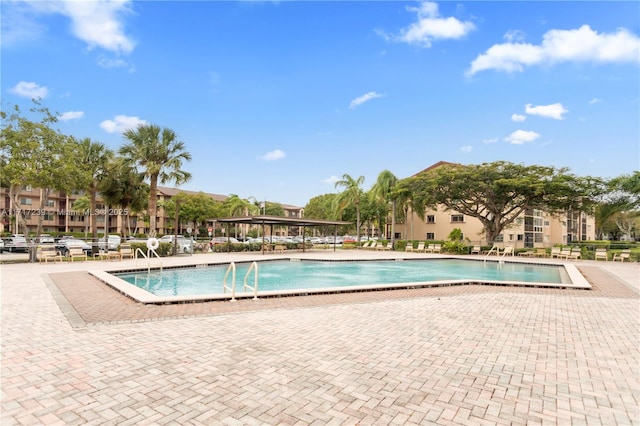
pixel 290 275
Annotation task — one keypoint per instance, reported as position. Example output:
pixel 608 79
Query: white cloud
pixel 364 98
pixel 276 154
pixel 521 136
pixel 579 45
pixel 331 180
pixel 71 115
pixel 99 23
pixel 466 148
pixel 514 35
pixel 595 101
pixel 555 111
pixel 490 140
pixel 18 24
pixel 430 26
pixel 105 62
pixel 518 117
pixel 29 89
pixel 121 123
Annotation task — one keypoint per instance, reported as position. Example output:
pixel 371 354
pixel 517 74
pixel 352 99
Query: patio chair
pixel 508 251
pixel 429 248
pixel 126 251
pixel 555 252
pixel 540 253
pixel 77 253
pixel 366 245
pixel 565 253
pixel 624 254
pixel 576 254
pixel 409 246
pixel 601 254
pixel 373 246
pixel 48 252
pixel 476 250
pixel 420 248
pixel 437 248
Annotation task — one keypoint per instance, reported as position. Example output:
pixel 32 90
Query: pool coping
pixel 578 282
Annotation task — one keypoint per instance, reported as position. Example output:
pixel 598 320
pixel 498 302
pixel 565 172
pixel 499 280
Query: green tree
pixel 497 193
pixel 160 155
pixel 352 195
pixel 124 187
pixel 93 163
pixel 383 190
pixel 321 207
pixel 273 209
pixel 620 194
pixel 83 204
pixel 196 208
pixel 34 154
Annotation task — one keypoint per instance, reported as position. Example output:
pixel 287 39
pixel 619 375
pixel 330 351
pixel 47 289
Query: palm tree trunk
pixel 153 204
pixel 393 223
pixel 93 213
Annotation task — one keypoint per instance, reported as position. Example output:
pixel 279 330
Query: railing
pixel 491 251
pixel 148 257
pixel 246 286
pixel 225 287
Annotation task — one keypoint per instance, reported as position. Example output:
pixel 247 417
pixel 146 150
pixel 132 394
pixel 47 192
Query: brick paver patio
pixel 76 352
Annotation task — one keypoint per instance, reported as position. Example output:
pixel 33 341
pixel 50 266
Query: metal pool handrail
pixel 225 287
pixel 146 256
pixel 254 266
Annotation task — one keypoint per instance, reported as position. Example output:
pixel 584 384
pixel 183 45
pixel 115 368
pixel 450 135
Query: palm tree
pixel 383 191
pixel 94 158
pixel 351 195
pixel 160 156
pixel 238 206
pixel 124 188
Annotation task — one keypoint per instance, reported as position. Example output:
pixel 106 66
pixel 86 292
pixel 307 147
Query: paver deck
pixel 77 352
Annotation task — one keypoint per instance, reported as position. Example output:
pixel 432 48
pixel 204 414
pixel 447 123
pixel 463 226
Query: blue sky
pixel 277 100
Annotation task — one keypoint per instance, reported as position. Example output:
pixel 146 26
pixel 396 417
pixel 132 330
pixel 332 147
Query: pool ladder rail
pixel 148 256
pixel 232 270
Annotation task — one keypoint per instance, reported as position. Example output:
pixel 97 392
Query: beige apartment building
pixel 59 216
pixel 534 228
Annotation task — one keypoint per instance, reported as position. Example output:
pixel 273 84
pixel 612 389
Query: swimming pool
pixel 295 276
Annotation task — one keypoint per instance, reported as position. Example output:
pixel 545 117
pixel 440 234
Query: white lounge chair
pixel 624 254
pixel 601 254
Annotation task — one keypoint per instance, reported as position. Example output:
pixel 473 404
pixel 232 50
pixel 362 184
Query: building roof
pixel 280 220
pixel 436 165
pixel 171 192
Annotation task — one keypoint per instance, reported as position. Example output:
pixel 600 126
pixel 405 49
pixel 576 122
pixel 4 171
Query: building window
pixel 26 201
pixel 457 218
pixel 431 236
pixel 51 203
pixel 48 216
pixel 520 237
pixel 510 237
pixel 499 239
pixel 431 219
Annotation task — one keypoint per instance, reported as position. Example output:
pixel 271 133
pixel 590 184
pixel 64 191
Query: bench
pixel 77 253
pixel 48 252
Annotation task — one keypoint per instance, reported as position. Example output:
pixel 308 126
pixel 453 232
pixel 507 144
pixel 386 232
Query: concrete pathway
pixel 495 356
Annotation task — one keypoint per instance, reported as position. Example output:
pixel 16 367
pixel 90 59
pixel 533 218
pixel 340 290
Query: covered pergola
pixel 270 221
